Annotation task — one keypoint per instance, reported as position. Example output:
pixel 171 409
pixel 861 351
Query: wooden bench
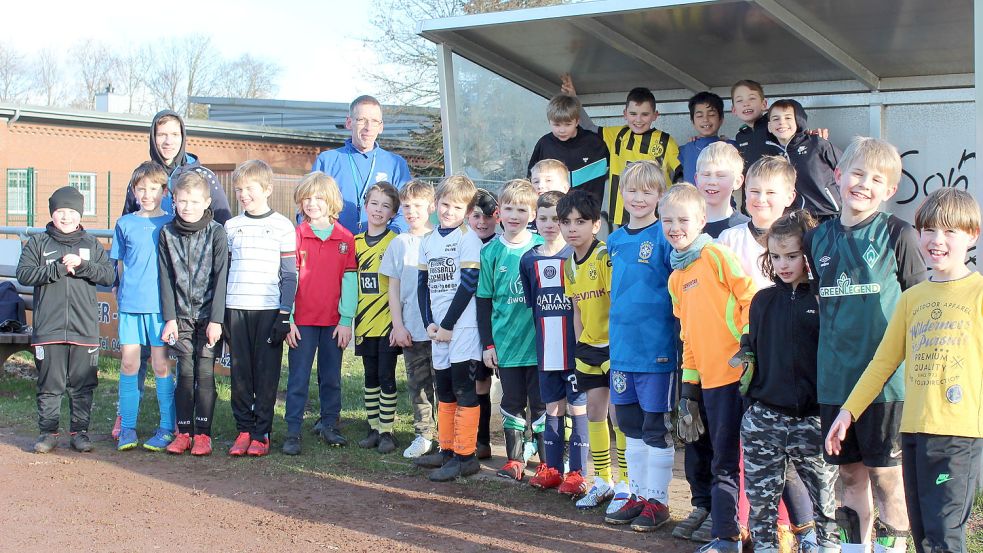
pixel 12 342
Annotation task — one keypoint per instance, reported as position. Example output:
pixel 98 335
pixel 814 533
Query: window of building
pixel 86 184
pixel 18 191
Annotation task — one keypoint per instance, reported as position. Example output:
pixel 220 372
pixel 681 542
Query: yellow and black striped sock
pixel 621 443
pixel 387 412
pixel 600 448
pixel 372 406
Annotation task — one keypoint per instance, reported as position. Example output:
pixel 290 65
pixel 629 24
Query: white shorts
pixel 465 345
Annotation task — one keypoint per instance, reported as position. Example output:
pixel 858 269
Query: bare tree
pixel 94 62
pixel 14 81
pixel 166 77
pixel 48 77
pixel 130 74
pixel 249 77
pixel 202 64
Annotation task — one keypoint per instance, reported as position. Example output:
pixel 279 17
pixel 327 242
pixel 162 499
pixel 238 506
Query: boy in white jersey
pixel 260 296
pixel 449 262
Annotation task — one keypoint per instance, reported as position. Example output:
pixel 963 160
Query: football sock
pixel 553 442
pixel 484 420
pixel 466 430
pixel 619 442
pixel 165 401
pixel 636 456
pixel 659 473
pixel 445 425
pixel 129 400
pixel 387 412
pixel 600 448
pixel 371 396
pixel 578 441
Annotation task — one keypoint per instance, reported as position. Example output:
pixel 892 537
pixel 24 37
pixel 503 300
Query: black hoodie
pixel 814 159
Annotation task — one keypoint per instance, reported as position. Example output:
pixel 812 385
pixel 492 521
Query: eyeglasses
pixel 364 122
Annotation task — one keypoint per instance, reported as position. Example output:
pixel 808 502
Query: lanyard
pixel 365 183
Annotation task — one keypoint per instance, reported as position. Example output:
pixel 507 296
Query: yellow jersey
pixel 626 148
pixel 588 283
pixel 372 317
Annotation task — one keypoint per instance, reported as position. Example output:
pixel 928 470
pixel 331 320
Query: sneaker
pixel 654 515
pixel 81 442
pixel 573 484
pixel 546 478
pixel 684 530
pixel 160 440
pixel 718 545
pixel 332 437
pixel 600 492
pixel 180 444
pixel 419 446
pixel 241 444
pixel 46 442
pixel 116 426
pixel 448 472
pixel 291 446
pixel 513 469
pixel 433 460
pixel 470 466
pixel 258 448
pixel 387 443
pixel 127 439
pixel 703 532
pixel 628 512
pixel 483 451
pixel 203 445
pixel 318 427
pixel 621 496
pixel 370 441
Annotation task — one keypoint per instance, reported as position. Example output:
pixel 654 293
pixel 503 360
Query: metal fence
pixel 25 192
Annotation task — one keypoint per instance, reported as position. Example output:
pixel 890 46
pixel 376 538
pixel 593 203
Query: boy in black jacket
pixel 64 265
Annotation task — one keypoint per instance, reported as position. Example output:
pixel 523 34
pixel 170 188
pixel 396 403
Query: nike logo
pixel 93 350
pixel 895 454
pixel 46 254
pixel 942 479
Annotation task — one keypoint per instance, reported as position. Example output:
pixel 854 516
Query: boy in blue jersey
pixel 504 324
pixel 541 271
pixel 861 263
pixel 706 112
pixel 140 323
pixel 644 357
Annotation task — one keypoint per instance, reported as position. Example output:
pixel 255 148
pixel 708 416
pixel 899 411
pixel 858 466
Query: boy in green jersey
pixel 506 327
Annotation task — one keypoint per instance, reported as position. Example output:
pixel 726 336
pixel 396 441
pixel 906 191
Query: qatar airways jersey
pixel 542 283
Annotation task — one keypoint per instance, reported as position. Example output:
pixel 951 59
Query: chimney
pixel 109 101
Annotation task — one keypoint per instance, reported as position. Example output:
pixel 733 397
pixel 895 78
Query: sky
pixel 317 43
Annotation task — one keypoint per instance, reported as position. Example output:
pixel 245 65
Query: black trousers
pixel 455 384
pixel 520 387
pixel 255 369
pixel 66 368
pixel 194 397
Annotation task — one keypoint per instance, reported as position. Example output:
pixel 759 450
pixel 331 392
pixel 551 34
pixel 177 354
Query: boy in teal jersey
pixel 506 327
pixel 861 263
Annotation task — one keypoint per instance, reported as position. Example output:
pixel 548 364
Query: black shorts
pixel 481 371
pixel 593 365
pixel 874 439
pixel 375 345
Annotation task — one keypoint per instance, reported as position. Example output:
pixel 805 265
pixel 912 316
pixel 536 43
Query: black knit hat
pixel 67 197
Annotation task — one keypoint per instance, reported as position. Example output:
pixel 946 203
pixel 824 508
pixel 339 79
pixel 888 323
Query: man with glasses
pixel 361 162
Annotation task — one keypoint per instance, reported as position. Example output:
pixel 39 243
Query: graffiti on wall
pixel 915 184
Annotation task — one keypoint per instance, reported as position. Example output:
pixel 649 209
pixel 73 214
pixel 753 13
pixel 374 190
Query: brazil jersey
pixel 643 330
pixel 588 283
pixel 627 147
pixel 859 274
pixel 511 319
pixel 372 317
pixel 552 312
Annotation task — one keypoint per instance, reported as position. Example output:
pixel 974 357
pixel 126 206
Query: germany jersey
pixel 542 284
pixel 626 147
pixel 859 274
pixel 372 318
pixel 588 283
pixel 511 320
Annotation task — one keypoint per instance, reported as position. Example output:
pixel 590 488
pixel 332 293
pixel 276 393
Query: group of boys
pixel 556 315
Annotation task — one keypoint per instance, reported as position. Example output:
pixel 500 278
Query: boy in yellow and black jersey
pixel 373 321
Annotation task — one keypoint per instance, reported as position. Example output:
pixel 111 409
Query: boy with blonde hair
pixel 260 297
pixel 400 263
pixel 644 357
pixel 449 263
pixel 550 174
pixel 582 153
pixel 710 297
pixel 504 324
pixel 941 427
pixel 720 173
pixel 861 263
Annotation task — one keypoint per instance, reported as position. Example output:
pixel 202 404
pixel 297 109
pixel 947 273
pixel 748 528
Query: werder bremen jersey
pixel 511 319
pixel 372 317
pixel 443 257
pixel 542 282
pixel 588 282
pixel 859 274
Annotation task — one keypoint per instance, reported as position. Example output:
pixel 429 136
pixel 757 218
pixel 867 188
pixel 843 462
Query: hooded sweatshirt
pixel 182 162
pixel 814 159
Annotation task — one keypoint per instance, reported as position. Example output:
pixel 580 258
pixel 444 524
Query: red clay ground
pixel 139 501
